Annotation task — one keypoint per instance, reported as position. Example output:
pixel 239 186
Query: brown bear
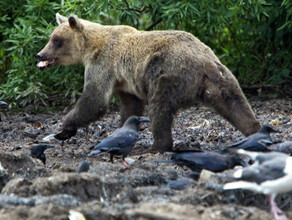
pixel 167 70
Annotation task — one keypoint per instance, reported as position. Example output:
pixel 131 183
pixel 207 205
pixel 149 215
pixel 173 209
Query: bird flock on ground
pixel 268 170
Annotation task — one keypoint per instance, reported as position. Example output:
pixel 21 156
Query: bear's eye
pixel 57 41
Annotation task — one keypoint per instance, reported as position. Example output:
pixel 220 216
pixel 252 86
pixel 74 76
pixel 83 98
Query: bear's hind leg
pixel 165 98
pixel 129 105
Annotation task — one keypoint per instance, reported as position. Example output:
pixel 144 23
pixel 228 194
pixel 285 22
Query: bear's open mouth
pixel 46 63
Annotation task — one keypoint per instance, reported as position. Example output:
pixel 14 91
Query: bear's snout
pixel 39 56
pixel 44 61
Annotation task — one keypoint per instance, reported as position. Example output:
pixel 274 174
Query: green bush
pixel 252 37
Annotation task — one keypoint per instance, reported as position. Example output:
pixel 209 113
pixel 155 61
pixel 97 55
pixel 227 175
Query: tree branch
pixel 128 8
pixel 262 86
pixel 154 24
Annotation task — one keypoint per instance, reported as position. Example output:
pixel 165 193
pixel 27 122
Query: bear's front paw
pixel 66 133
pixel 160 148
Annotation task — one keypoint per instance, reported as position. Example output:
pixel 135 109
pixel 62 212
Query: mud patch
pixel 146 189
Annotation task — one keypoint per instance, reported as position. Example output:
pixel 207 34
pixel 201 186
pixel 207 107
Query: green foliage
pixel 252 37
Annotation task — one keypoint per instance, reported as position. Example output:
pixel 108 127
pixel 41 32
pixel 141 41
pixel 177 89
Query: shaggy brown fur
pixel 168 70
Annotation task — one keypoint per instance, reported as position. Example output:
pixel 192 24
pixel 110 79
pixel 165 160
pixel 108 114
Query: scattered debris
pixel 139 191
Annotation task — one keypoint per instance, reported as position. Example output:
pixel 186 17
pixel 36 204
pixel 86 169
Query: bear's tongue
pixel 44 64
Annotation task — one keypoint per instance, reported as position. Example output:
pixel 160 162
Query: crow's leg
pixel 111 158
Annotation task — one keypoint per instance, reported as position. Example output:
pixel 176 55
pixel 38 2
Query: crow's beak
pixel 50 146
pixel 94 152
pixel 144 119
pixel 243 163
pixel 3 104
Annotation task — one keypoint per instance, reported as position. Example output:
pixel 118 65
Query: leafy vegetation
pixel 252 37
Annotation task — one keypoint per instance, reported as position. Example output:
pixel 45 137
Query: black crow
pixel 83 166
pixel 38 152
pixel 258 141
pixel 122 141
pixel 271 174
pixel 3 105
pixel 215 161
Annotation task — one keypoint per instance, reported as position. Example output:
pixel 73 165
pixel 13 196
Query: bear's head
pixel 65 44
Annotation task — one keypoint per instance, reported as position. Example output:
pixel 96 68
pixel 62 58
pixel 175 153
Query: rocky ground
pixel 146 189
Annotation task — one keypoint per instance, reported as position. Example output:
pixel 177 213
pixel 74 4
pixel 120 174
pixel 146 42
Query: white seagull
pixel 271 174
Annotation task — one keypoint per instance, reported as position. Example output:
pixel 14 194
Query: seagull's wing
pixel 262 157
pixel 269 170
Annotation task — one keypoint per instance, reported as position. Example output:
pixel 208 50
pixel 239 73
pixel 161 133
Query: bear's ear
pixel 75 23
pixel 60 19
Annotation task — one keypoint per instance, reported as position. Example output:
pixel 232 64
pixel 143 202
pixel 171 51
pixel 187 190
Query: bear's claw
pixel 65 134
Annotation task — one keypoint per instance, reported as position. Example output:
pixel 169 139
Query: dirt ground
pixel 146 189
